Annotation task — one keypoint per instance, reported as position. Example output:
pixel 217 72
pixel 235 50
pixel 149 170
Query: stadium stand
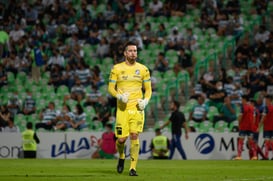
pixel 75 28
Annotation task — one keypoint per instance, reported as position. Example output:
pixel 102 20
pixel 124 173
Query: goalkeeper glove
pixel 142 103
pixel 123 97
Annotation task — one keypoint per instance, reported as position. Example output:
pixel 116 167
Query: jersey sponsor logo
pixel 204 143
pixel 124 77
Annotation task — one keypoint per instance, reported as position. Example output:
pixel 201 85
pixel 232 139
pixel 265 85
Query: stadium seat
pixel 213 111
pixel 62 91
pixel 205 126
pixel 97 126
pixel 221 127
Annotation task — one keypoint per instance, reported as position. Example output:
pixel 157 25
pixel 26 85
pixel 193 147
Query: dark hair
pixel 157 130
pixel 268 97
pixel 161 54
pixel 177 104
pixel 129 43
pixel 79 108
pixel 246 97
pixel 109 125
pixel 29 125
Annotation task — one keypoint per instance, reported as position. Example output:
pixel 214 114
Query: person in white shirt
pixel 155 7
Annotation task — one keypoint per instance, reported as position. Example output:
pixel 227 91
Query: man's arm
pixel 165 124
pixel 185 126
pixel 37 140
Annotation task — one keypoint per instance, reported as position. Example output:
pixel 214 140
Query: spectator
pixel 93 97
pixel 103 111
pixel 160 146
pixel 227 113
pixel 47 117
pixel 16 34
pixel 14 104
pixel 65 119
pixel 56 77
pixel 11 127
pixel 262 35
pixel 106 145
pixel 255 81
pixel 56 59
pixel 177 7
pixel 102 50
pixel 68 76
pixel 185 61
pixel 229 86
pixel 97 77
pixel 238 24
pixel 148 35
pixel 232 6
pixel 175 40
pixel 5 116
pixel 190 42
pixel 161 63
pixel 216 96
pixel 161 33
pixel 155 8
pixel 242 53
pixel 80 118
pixel 199 111
pixel 3 76
pixel 254 62
pixel 77 92
pixel 83 73
pixel 139 10
pixel 29 104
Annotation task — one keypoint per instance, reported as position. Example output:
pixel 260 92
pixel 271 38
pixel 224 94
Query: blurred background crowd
pixel 56 57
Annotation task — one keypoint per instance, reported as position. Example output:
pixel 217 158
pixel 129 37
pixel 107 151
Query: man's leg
pixel 252 147
pixel 120 143
pixel 172 147
pixel 179 147
pixel 239 148
pixel 134 152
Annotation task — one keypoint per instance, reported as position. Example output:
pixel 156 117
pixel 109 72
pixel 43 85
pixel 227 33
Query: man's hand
pixel 123 97
pixel 142 103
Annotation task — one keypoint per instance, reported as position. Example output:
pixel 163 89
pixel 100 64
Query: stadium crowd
pixel 56 55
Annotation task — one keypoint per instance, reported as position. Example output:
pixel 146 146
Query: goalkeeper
pixel 127 82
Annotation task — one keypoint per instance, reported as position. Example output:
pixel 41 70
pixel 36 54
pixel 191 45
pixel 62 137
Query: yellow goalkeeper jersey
pixel 130 79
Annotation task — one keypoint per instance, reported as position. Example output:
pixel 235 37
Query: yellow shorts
pixel 128 121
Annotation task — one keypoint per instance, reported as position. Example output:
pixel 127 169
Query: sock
pixel 134 152
pixel 260 152
pixel 120 148
pixel 253 149
pixel 240 146
pixel 266 148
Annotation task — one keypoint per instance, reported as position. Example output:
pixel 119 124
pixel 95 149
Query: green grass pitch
pixel 148 170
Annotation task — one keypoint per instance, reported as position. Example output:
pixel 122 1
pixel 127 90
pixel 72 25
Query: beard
pixel 131 60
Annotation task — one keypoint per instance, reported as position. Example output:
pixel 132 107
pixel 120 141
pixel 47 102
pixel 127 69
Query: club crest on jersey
pixel 137 72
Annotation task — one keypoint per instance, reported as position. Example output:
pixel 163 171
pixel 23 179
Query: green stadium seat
pixel 97 126
pixel 221 127
pixel 205 127
pixel 10 77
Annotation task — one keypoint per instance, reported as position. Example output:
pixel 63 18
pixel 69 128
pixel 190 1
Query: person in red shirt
pixel 107 144
pixel 256 131
pixel 246 124
pixel 267 122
